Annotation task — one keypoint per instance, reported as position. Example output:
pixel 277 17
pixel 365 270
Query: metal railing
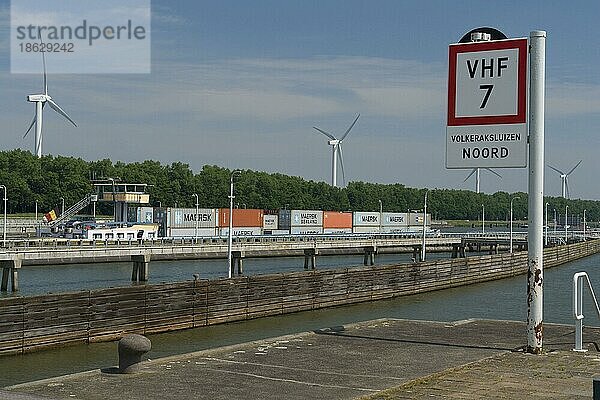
pixel 578 279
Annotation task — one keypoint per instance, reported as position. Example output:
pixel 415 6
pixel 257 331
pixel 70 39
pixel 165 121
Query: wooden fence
pixel 33 323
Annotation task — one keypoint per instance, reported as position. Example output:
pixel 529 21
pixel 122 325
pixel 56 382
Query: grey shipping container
pixel 417 219
pixel 145 215
pixel 394 219
pixel 306 218
pixel 191 232
pixel 365 229
pixel 285 219
pixel 360 218
pixel 187 217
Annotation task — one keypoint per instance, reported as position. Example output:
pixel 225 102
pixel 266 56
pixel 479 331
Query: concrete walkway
pixel 470 359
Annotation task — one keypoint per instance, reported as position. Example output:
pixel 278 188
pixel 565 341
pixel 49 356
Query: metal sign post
pixel 535 276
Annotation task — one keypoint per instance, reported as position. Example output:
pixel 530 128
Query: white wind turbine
pixel 40 101
pixel 476 172
pixel 564 179
pixel 336 145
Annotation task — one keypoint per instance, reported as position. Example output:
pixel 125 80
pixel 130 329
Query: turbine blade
pixel 351 126
pixel 30 126
pixel 494 172
pixel 470 175
pixel 59 110
pixel 556 169
pixel 329 135
pixel 573 169
pixel 342 164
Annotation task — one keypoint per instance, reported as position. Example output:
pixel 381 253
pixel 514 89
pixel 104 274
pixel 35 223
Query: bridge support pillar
pixel 416 254
pixel 237 260
pixel 369 258
pixel 10 272
pixel 310 257
pixel 141 266
pixel 458 251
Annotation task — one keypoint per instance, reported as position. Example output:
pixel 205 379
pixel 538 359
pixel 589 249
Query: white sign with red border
pixel 487 105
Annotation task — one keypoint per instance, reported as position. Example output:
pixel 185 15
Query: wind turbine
pixel 476 172
pixel 40 101
pixel 564 179
pixel 336 145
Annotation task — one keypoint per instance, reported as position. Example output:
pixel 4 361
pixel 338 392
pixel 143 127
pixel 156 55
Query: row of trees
pixel 46 180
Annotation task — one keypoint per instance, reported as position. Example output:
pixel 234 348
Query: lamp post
pixel 555 224
pixel 229 235
pixel 4 225
pixel 511 223
pixel 380 215
pixel 424 226
pixel 36 210
pixel 482 220
pixel 196 217
pixel 566 209
pixel 546 226
pixel 62 209
pixel 584 225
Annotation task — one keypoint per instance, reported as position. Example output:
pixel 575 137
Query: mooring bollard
pixel 131 349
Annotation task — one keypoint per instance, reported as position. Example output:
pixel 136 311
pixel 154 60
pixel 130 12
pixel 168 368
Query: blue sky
pixel 241 84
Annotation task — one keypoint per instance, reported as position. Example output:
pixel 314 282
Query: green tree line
pixel 48 179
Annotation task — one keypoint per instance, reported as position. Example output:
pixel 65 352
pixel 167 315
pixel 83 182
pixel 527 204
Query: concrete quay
pixel 381 359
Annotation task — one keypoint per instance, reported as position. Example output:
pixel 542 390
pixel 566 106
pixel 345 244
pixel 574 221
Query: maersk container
pixel 306 218
pixel 242 231
pixel 160 218
pixel 191 232
pixel 270 222
pixel 187 217
pixel 365 229
pixel 365 219
pixel 306 230
pixel 394 219
pixel 337 231
pixel 417 219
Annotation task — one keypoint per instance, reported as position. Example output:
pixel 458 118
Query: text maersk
pixel 197 217
pixel 309 219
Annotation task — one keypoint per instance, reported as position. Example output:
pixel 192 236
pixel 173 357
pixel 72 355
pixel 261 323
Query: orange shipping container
pixel 241 217
pixel 336 219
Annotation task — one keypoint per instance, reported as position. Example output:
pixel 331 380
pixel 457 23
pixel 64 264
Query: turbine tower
pixel 40 101
pixel 336 145
pixel 476 172
pixel 564 179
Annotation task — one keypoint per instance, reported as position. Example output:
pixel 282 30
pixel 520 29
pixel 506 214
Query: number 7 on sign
pixel 488 89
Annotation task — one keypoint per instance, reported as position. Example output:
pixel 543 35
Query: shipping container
pixel 241 217
pixel 417 219
pixel 270 222
pixel 336 219
pixel 187 218
pixel 306 218
pixel 366 219
pixel 145 215
pixel 394 219
pixel 132 213
pixel 191 232
pixel 160 218
pixel 306 230
pixel 365 229
pixel 242 231
pixel 285 219
pixel 337 231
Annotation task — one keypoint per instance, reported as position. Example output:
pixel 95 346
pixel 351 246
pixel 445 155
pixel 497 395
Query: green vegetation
pixel 48 179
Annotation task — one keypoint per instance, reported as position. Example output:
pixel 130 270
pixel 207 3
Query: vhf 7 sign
pixel 487 104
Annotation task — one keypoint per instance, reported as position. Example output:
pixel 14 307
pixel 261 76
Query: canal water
pixel 502 299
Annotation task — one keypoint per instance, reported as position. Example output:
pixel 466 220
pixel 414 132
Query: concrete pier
pixel 10 273
pixel 381 359
pixel 310 258
pixel 238 261
pixel 141 264
pixel 369 258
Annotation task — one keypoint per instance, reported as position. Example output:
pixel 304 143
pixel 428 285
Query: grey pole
pixel 36 210
pixel 535 309
pixel 482 220
pixel 196 217
pixel 566 233
pixel 4 225
pixel 555 224
pixel 584 239
pixel 380 215
pixel 511 223
pixel 546 227
pixel 424 226
pixel 62 209
pixel 229 235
